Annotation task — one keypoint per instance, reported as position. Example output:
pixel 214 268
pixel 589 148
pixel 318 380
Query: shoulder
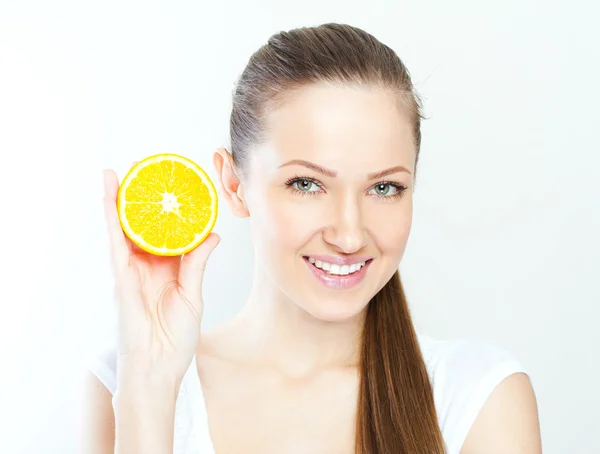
pixel 508 421
pixel 103 364
pixel 467 377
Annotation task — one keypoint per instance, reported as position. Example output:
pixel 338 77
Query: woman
pixel 324 358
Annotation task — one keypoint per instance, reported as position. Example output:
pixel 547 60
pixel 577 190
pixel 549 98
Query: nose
pixel 346 230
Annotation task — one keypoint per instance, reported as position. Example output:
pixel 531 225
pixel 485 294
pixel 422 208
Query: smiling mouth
pixel 335 270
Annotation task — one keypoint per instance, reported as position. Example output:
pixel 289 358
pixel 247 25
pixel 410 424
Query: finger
pixel 131 246
pixel 191 270
pixel 119 249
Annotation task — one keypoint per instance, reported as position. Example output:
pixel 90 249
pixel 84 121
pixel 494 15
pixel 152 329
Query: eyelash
pixel 289 183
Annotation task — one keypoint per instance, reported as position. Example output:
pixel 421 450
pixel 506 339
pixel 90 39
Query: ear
pixel 231 187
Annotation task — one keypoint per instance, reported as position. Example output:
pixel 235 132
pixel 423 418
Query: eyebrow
pixel 332 173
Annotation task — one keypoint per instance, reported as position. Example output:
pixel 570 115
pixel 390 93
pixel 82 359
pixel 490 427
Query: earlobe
pixel 229 183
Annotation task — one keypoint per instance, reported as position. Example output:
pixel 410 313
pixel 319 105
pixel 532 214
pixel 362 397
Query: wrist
pixel 142 389
pixel 146 392
pixel 144 414
pixel 146 376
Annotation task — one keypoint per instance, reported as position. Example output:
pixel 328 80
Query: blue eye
pixel 388 190
pixel 384 189
pixel 303 185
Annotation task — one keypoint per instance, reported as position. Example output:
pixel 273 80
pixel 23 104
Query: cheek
pixel 286 223
pixel 391 228
pixel 294 223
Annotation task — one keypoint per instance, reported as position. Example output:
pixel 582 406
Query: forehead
pixel 348 129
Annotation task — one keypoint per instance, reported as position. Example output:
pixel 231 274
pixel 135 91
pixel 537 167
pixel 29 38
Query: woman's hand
pixel 159 301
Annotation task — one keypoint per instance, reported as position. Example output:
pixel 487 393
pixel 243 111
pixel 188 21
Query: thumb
pixel 192 269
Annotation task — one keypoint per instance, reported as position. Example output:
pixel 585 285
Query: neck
pixel 273 330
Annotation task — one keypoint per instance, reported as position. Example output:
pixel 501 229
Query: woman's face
pixel 330 198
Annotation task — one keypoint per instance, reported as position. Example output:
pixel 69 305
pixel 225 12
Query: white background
pixel 504 245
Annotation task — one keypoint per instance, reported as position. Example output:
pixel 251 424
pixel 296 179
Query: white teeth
pixel 332 268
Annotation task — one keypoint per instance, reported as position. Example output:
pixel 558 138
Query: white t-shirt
pixel 463 374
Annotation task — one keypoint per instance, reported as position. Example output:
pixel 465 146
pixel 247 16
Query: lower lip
pixel 338 282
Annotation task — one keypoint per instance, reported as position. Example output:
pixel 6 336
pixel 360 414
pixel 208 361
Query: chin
pixel 335 310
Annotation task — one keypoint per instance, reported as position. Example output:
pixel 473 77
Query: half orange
pixel 167 204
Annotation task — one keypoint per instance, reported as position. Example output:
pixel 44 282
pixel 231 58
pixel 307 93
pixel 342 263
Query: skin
pixel 282 375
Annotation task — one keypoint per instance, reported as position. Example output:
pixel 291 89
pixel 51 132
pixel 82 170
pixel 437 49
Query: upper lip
pixel 339 260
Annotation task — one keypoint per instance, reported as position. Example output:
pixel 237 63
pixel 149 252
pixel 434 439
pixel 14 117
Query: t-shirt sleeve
pixel 103 365
pixel 464 374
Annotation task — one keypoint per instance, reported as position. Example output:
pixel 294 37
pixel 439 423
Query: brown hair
pixel 396 411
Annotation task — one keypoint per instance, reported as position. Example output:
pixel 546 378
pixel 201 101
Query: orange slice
pixel 167 204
